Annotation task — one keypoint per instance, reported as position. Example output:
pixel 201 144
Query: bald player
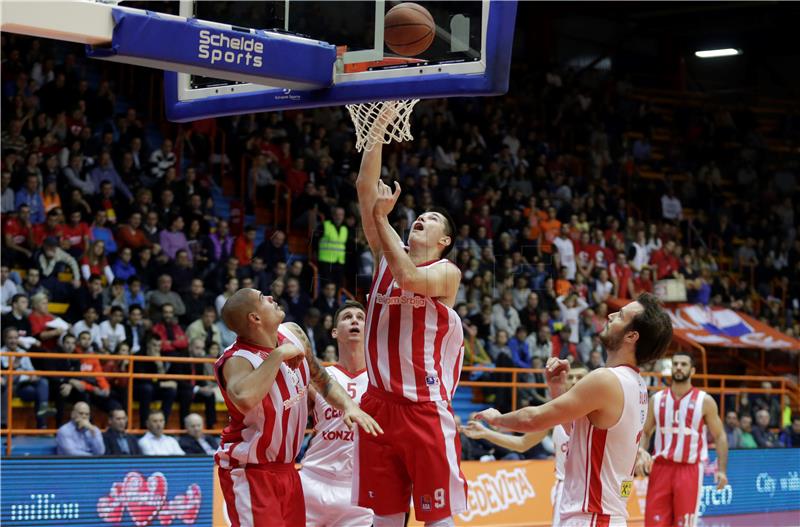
pixel 264 377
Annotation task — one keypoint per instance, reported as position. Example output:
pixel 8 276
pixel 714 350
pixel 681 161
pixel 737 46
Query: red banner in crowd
pixel 727 328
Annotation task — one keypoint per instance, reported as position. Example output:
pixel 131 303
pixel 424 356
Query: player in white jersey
pixel 679 416
pixel 527 441
pixel 327 473
pixel 606 412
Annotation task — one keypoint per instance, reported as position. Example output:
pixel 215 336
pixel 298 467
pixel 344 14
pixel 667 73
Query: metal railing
pixel 713 384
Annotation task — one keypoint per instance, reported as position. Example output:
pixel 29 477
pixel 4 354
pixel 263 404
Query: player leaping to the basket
pixel 414 355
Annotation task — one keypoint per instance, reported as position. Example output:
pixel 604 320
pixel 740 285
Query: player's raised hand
pixel 489 416
pixel 556 375
pixel 290 354
pixel 474 430
pixel 356 415
pixel 386 199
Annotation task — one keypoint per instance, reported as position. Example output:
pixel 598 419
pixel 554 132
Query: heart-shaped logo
pixel 144 497
pixel 186 507
pixel 111 508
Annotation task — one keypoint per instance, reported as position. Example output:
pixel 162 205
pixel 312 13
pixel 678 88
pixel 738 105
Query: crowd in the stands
pixel 546 186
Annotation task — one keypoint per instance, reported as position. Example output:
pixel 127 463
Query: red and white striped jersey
pixel 600 463
pixel 680 427
pixel 414 343
pixel 272 431
pixel 330 453
pixel 560 447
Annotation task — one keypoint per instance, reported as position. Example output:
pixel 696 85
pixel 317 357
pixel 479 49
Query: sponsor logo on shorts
pixel 432 380
pixel 425 502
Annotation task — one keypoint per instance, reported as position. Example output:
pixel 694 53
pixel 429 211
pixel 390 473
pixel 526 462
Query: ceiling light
pixel 714 53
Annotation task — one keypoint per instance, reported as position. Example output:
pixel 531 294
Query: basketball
pixel 408 29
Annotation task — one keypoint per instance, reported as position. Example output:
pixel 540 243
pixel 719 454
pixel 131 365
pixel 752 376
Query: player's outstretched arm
pixel 711 417
pixel 438 281
pixel 247 386
pixel 369 176
pixel 523 443
pixel 331 391
pixel 597 391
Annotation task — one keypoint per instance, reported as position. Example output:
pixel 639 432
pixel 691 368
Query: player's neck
pixel 621 358
pixel 352 360
pixel 420 255
pixel 266 340
pixel 679 389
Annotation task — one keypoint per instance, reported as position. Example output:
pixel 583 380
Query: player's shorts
pixel 592 520
pixel 265 495
pixel 418 454
pixel 555 498
pixel 673 493
pixel 328 502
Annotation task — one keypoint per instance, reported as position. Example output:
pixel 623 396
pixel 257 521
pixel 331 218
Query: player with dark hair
pixel 414 354
pixel 527 441
pixel 679 416
pixel 327 473
pixel 604 415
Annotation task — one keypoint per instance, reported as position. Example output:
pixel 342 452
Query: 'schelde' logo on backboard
pixel 221 48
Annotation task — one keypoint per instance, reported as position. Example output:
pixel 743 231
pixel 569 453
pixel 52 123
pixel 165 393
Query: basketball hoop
pixel 381 122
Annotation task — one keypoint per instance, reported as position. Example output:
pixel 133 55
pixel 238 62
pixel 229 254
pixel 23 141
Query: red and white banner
pixel 727 328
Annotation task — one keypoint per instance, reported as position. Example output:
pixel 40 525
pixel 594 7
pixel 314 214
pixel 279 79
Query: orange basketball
pixel 408 29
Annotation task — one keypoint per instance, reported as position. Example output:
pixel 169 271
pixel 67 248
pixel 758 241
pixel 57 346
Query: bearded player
pixel 607 412
pixel 527 441
pixel 679 415
pixel 327 473
pixel 414 355
pixel 264 377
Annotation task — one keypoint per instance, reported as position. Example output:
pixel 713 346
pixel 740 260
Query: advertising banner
pixel 129 491
pixel 514 493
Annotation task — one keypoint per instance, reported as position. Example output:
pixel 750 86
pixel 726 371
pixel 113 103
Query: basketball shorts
pixel 265 495
pixel 328 502
pixel 673 493
pixel 592 520
pixel 418 456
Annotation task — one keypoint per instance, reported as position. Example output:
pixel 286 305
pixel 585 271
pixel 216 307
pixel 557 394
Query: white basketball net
pixel 381 122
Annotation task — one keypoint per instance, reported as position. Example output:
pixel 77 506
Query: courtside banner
pixel 513 493
pixel 121 491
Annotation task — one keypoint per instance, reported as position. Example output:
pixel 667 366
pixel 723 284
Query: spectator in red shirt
pixel 173 339
pixel 665 261
pixel 484 219
pixel 39 317
pixel 643 283
pixel 245 246
pixel 297 177
pixel 77 233
pixel 17 238
pixel 52 227
pixel 622 277
pixel 131 234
